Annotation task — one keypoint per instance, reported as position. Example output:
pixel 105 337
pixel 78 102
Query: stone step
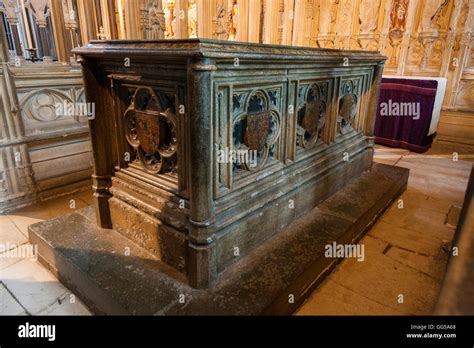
pixel 114 276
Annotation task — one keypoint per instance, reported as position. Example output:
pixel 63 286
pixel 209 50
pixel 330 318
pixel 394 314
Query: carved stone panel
pixel 348 106
pixel 256 127
pixel 151 130
pixel 50 109
pixel 311 114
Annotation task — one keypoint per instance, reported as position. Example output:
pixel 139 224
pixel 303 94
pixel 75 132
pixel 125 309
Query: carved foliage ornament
pixel 150 129
pixel 10 8
pixel 39 9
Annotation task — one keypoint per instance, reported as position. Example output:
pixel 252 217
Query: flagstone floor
pixel 401 274
pixel 405 257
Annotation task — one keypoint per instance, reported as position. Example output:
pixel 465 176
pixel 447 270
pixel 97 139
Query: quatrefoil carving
pixel 150 129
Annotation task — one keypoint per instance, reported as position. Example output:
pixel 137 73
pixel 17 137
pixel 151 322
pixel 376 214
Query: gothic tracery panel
pixel 256 127
pixel 151 130
pixel 311 113
pixel 348 106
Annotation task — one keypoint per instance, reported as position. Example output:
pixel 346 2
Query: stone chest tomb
pixel 164 109
pixel 172 117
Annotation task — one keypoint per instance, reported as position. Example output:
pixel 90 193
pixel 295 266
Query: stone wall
pixel 420 37
pixel 48 155
pixel 42 154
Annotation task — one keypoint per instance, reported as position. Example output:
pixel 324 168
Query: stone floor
pixel 405 258
pixel 401 274
pixel 26 287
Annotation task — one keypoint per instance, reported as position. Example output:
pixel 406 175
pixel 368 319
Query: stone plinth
pixel 91 260
pixel 169 113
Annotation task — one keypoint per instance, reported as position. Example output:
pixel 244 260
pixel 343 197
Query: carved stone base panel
pixel 281 182
pixel 17 187
pixel 292 262
pixel 276 212
pixel 167 181
pixel 255 116
pixel 168 244
pixel 273 204
pixel 151 217
pixel 169 208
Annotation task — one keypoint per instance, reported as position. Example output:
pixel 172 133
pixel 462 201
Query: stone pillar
pixel 242 20
pixel 16 175
pixel 202 270
pixel 132 19
pixel 254 28
pixel 181 14
pixel 289 15
pixel 63 48
pixel 456 62
pixel 272 22
pixel 70 22
pixel 383 42
pixel 39 10
pixel 300 26
pixel 97 90
pixel 344 23
pixel 112 22
pixel 106 20
pixel 87 20
pixel 411 17
pixel 44 42
pixel 10 9
pixel 204 16
pixel 72 18
pixel 16 37
pixel 372 110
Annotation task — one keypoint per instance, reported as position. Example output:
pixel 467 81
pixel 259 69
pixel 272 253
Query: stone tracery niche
pixel 348 106
pixel 223 24
pixel 153 20
pixel 151 130
pixel 398 22
pixel 192 18
pixel 256 126
pixel 327 23
pixel 311 114
pixel 41 104
pixel 368 17
pixel 368 37
pixel 436 56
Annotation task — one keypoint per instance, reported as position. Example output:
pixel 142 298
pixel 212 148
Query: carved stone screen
pixel 204 149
